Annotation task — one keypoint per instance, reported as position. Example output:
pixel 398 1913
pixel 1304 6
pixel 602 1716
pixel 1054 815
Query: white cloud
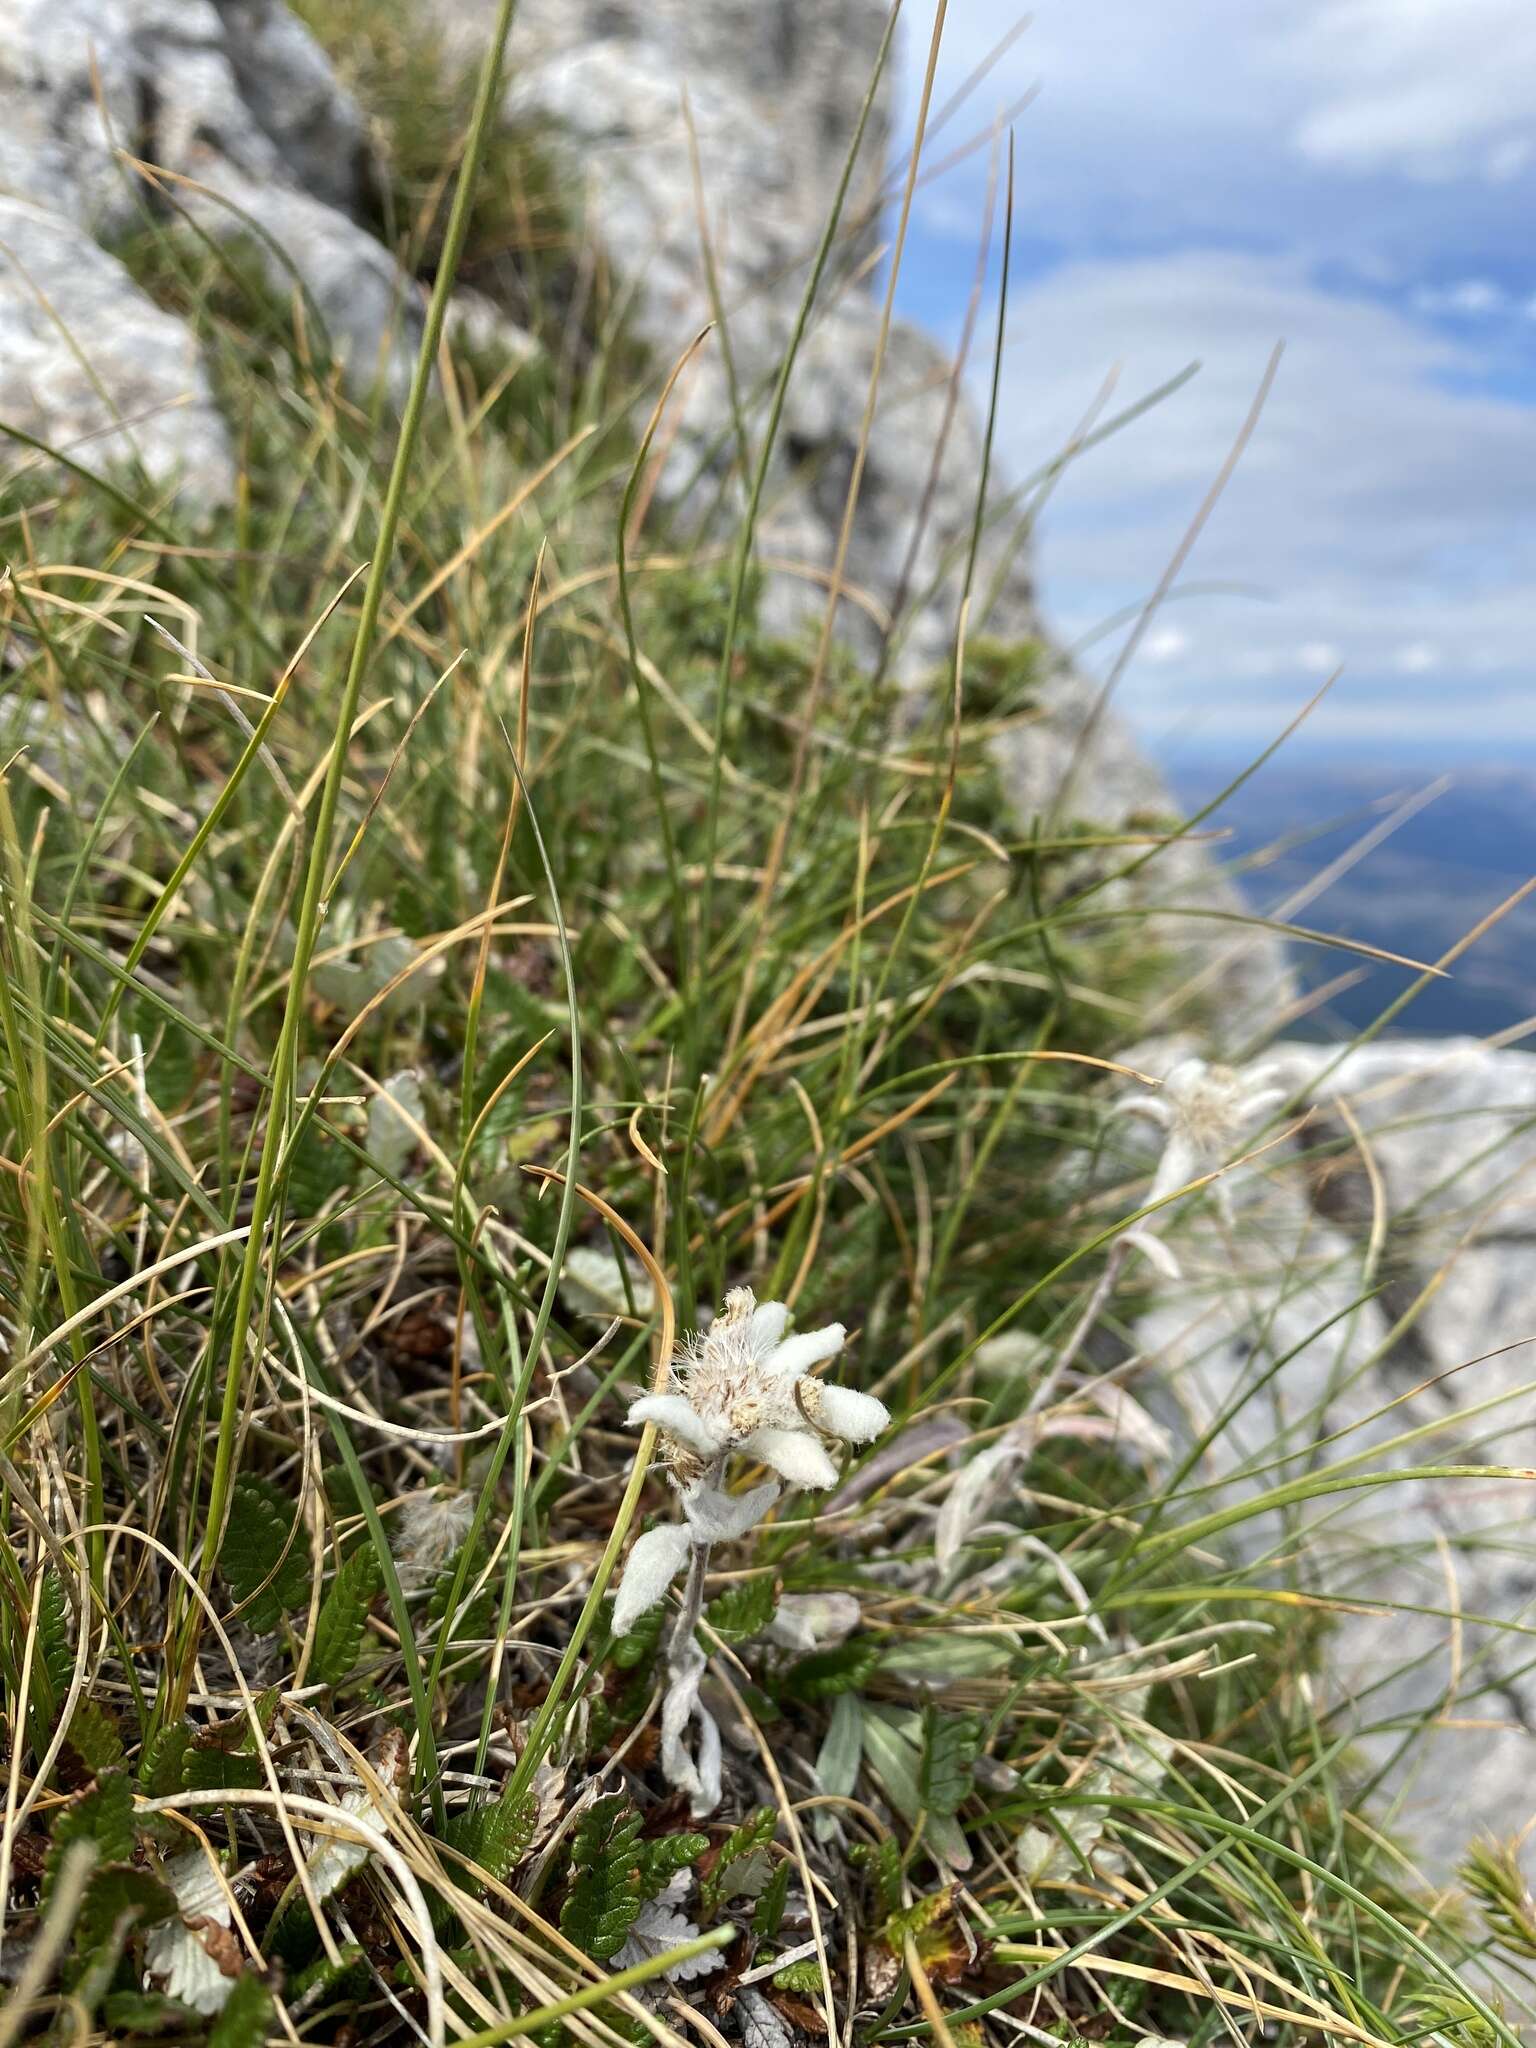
pixel 1438 88
pixel 1197 181
pixel 1165 643
pixel 1473 298
pixel 1400 128
pixel 1418 658
pixel 1382 516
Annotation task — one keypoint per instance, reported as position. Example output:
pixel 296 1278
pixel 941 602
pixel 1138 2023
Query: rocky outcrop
pixel 772 92
pixel 236 109
pixel 1371 1307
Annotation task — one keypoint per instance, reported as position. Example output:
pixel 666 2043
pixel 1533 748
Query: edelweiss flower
pixel 1206 1111
pixel 741 1386
pixel 744 1386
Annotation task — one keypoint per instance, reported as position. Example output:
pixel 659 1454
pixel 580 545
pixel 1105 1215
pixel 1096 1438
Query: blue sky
pixel 1197 180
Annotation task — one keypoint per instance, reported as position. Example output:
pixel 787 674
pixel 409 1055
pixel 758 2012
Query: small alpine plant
pixel 740 1388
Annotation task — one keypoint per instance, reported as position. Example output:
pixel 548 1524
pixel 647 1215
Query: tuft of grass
pixel 399 1039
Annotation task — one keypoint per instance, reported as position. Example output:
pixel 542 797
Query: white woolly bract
pixel 654 1561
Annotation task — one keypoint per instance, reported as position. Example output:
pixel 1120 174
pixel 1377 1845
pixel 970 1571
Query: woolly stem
pixel 680 1638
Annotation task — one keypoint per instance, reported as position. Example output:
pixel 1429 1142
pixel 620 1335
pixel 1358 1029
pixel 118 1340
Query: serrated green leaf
pixel 496 1835
pixel 935 1930
pixel 605 1895
pixel 755 1832
pixel 325 1979
pixel 882 1860
pixel 95 1738
pixel 146 2012
pixel 248 2015
pixel 951 1744
pixel 216 1770
pixel 119 1899
pixel 266 1558
pixel 162 1766
pixel 343 1617
pixel 53 1664
pixel 802 1976
pixel 826 1673
pixel 120 1895
pixel 104 1815
pixel 639 1647
pixel 743 1611
pixel 664 1856
pixel 54 1655
pixel 768 1915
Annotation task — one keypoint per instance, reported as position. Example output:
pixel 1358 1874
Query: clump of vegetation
pixel 524 246
pixel 428 994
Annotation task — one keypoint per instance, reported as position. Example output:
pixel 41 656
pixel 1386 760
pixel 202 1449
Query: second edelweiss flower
pixel 1205 1110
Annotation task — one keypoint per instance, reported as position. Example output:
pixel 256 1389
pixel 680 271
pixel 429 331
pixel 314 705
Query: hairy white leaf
pixel 814 1621
pixel 717 1517
pixel 392 1116
pixel 654 1561
pixel 175 1953
pixel 761 2026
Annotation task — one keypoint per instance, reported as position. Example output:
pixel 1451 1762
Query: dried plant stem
pixel 1084 1327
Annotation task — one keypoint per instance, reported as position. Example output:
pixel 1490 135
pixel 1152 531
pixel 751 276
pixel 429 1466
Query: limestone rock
pixel 91 367
pixel 184 84
pixel 237 105
pixel 1376 1287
